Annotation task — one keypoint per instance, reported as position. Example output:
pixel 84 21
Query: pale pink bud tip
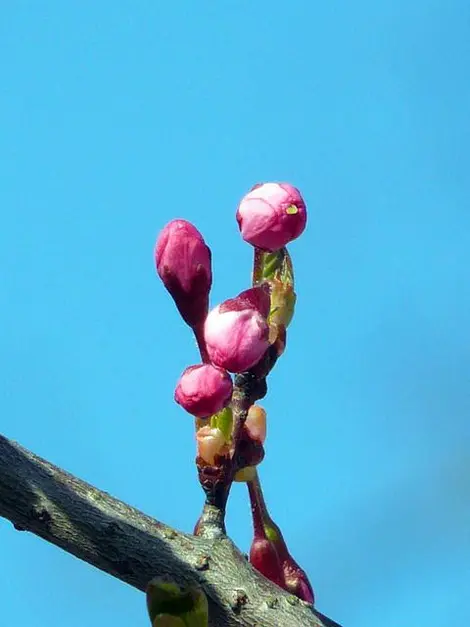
pixel 255 423
pixel 204 390
pixel 183 263
pixel 271 215
pixel 236 332
pixel 210 442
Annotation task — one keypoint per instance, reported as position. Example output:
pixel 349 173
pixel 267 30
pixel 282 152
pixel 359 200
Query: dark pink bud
pixel 236 332
pixel 204 390
pixel 271 215
pixel 183 263
pixel 264 557
pixel 296 581
pixel 254 298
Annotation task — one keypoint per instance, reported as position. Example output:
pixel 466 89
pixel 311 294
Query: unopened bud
pixel 236 332
pixel 296 581
pixel 271 215
pixel 264 557
pixel 183 262
pixel 210 443
pixel 204 390
pixel 255 423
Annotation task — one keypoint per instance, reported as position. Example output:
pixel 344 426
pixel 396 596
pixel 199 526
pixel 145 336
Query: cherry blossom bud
pixel 210 442
pixel 203 390
pixel 236 332
pixel 264 557
pixel 255 423
pixel 271 215
pixel 183 263
pixel 296 581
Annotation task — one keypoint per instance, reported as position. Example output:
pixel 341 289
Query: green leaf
pixel 275 266
pixel 282 303
pixel 270 264
pixel 224 421
pixel 287 269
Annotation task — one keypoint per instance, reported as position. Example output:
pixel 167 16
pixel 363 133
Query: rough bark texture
pixel 37 496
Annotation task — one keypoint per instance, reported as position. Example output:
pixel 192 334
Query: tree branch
pixel 92 525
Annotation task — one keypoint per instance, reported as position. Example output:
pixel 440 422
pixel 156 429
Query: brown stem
pixel 198 331
pixel 257 266
pixel 249 387
pixel 211 524
pixel 217 481
pixel 258 506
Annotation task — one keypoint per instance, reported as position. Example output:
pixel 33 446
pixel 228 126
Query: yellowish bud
pixel 245 474
pixel 210 442
pixel 255 423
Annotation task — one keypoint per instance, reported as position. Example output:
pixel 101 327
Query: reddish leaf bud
pixel 236 332
pixel 203 390
pixel 183 262
pixel 271 215
pixel 264 557
pixel 296 581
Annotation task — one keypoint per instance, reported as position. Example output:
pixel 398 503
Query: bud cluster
pixel 235 335
pixel 239 336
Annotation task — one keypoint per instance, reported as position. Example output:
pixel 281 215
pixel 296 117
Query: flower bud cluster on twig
pixel 245 336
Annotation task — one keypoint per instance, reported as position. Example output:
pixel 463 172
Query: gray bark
pixel 39 497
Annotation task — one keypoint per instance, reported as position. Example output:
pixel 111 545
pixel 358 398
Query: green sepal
pixel 283 300
pixel 270 264
pixel 276 265
pixel 287 269
pixel 277 271
pixel 166 600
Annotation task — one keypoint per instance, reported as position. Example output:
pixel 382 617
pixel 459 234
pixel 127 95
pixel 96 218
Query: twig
pixel 39 497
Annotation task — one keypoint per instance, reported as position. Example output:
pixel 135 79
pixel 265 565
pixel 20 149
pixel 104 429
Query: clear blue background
pixel 117 116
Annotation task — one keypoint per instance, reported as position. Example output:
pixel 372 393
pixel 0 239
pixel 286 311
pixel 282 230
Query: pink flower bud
pixel 271 215
pixel 210 442
pixel 203 390
pixel 255 423
pixel 236 332
pixel 184 265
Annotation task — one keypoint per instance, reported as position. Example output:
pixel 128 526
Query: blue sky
pixel 119 116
